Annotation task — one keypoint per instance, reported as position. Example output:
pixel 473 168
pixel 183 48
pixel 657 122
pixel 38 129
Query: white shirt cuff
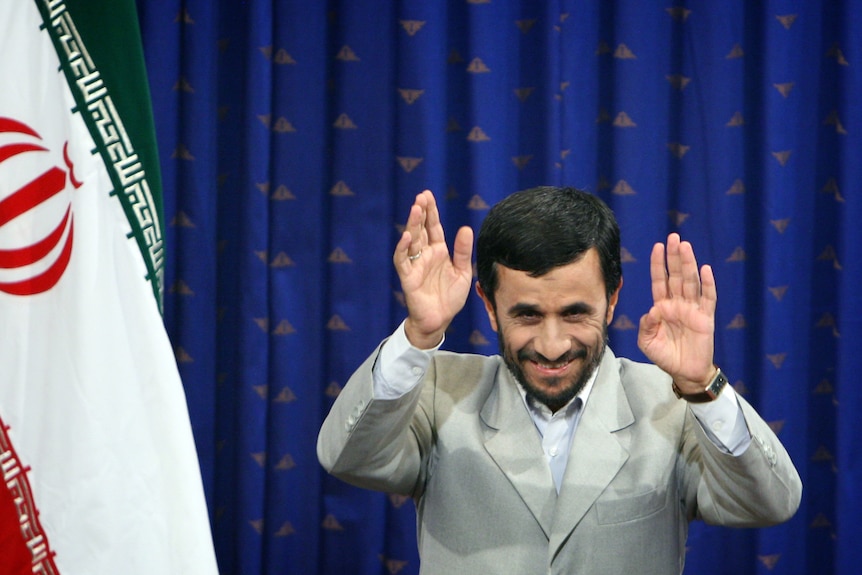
pixel 723 422
pixel 400 366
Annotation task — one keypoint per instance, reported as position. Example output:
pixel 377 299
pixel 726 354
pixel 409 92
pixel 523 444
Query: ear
pixel 612 302
pixel 489 307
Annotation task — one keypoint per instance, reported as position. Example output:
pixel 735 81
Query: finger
pixel 416 226
pixel 674 266
pixel 709 296
pixel 647 322
pixel 658 273
pixel 647 327
pixel 433 227
pixel 462 251
pixel 399 256
pixel 690 277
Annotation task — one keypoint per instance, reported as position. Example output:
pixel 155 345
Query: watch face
pixel 716 385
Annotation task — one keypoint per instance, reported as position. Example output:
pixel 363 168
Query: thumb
pixel 648 327
pixel 462 250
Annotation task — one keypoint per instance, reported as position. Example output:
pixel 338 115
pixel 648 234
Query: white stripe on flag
pixel 90 395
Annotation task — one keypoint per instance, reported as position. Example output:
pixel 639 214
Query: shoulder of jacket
pixel 447 361
pixel 452 372
pixel 645 381
pixel 638 370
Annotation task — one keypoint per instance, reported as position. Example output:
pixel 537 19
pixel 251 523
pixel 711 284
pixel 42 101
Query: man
pixel 555 456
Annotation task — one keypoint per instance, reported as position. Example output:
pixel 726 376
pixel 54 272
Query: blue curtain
pixel 295 134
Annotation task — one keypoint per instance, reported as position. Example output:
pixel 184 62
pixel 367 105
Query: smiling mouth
pixel 551 369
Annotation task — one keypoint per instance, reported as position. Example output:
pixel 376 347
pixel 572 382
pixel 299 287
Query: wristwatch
pixel 709 394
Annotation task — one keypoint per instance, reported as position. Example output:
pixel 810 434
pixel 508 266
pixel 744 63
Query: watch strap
pixel 708 394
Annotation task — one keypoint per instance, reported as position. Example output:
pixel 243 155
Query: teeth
pixel 543 366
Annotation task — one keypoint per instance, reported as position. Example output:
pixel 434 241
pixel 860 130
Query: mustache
pixel 534 356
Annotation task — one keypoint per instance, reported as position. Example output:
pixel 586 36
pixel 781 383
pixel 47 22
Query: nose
pixel 552 342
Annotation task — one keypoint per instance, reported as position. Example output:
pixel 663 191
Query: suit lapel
pixel 514 444
pixel 596 454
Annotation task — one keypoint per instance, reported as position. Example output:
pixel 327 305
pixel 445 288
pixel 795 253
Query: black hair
pixel 539 229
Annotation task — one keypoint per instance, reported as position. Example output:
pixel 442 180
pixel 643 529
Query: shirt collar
pixel 540 410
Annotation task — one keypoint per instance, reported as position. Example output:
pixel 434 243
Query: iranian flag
pixel 98 467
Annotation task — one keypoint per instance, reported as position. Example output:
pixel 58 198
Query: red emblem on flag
pixel 32 261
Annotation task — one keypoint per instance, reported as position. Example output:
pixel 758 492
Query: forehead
pixel 581 280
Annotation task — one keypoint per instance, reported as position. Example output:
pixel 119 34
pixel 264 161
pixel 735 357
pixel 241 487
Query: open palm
pixel 678 332
pixel 435 286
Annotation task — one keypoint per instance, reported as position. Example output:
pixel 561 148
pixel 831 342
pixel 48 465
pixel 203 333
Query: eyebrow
pixel 579 308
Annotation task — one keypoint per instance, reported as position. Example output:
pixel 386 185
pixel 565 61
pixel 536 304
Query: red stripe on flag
pixel 10 150
pixel 48 278
pixel 31 195
pixel 31 254
pixel 24 543
pixel 10 125
pixel 16 556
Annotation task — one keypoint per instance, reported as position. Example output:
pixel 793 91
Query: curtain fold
pixel 295 135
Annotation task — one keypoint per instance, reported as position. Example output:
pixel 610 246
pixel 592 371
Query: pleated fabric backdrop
pixel 294 136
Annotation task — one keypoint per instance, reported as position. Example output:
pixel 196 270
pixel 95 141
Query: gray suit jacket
pixel 462 444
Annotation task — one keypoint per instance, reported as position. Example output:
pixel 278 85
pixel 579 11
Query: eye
pixel 527 315
pixel 577 313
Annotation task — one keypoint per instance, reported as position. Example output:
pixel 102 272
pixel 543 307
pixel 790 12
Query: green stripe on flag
pixel 104 67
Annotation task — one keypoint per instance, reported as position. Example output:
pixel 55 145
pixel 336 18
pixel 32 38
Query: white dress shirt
pixel 400 367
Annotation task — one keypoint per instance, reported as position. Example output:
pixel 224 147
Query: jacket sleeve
pixel 758 488
pixel 377 444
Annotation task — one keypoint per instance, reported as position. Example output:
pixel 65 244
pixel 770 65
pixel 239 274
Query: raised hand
pixel 435 286
pixel 678 332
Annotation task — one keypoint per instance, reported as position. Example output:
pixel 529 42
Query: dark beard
pixel 558 400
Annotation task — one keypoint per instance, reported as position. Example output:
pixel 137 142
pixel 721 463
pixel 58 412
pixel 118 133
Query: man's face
pixel 552 329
